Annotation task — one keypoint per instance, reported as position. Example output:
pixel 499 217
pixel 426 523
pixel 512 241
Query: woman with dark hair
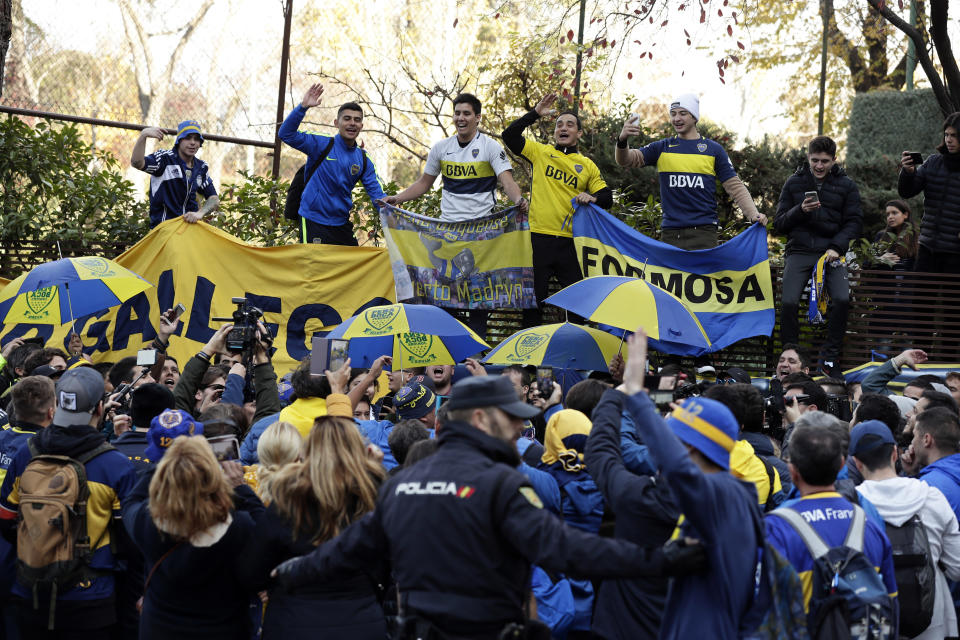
pixel 939 180
pixel 896 246
pixel 313 501
pixel 182 516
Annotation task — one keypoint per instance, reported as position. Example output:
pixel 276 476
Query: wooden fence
pixel 889 312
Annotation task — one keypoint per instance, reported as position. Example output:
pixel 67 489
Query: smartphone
pixel 329 354
pixel 545 381
pixel 146 358
pixel 35 340
pixel 662 398
pixel 634 118
pixel 176 312
pixel 812 195
pixel 225 447
pixel 917 158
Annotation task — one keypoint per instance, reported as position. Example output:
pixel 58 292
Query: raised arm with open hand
pixel 312 97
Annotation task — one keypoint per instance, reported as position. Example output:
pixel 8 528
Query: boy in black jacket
pixel 815 227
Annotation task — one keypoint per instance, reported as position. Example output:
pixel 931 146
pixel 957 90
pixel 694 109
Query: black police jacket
pixel 461 529
pixel 833 225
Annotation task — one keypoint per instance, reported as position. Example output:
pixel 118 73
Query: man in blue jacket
pixel 334 165
pixel 936 446
pixel 692 449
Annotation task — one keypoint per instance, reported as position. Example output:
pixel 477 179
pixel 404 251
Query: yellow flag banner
pixel 303 290
pixel 484 263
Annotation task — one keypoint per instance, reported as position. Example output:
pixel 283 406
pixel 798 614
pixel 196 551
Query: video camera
pixel 243 336
pixel 774 406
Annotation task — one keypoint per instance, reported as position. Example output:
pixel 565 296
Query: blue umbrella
pixel 627 303
pixel 56 292
pixel 563 345
pixel 415 335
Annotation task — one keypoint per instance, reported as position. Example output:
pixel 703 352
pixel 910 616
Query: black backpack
pixel 291 209
pixel 916 576
pixel 848 598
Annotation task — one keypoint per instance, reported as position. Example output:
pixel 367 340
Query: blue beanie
pixel 187 127
pixel 708 426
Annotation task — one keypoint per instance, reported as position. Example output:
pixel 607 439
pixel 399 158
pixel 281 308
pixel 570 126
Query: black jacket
pixel 940 225
pixel 460 529
pixel 646 514
pixel 347 608
pixel 838 220
pixel 194 592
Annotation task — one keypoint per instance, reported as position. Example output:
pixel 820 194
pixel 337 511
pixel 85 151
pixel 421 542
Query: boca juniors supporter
pixel 689 167
pixel 560 174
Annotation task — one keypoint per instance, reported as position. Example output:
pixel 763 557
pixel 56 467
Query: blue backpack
pixel 848 599
pixel 776 610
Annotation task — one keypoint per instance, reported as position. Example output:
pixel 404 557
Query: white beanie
pixel 687 101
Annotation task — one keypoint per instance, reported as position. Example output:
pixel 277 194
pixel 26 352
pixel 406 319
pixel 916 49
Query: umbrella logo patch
pixel 528 344
pixel 38 301
pixel 380 319
pixel 417 344
pixel 95 267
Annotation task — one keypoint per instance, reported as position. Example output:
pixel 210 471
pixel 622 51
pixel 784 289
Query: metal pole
pixel 284 58
pixel 53 115
pixel 911 47
pixel 823 65
pixel 576 79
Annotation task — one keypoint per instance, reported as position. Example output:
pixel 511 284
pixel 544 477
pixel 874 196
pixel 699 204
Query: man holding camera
pixel 819 212
pixel 190 387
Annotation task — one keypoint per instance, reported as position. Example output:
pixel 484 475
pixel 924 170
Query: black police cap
pixel 489 391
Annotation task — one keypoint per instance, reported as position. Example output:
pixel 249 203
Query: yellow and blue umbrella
pixel 416 335
pixel 566 345
pixel 627 303
pixel 57 292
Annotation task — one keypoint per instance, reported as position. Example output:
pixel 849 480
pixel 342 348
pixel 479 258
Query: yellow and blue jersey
pixel 830 515
pixel 688 172
pixel 557 178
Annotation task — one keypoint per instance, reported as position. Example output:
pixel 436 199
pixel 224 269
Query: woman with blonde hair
pixel 279 445
pixel 182 516
pixel 313 501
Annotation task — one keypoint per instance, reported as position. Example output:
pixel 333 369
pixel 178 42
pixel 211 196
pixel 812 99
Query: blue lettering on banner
pixel 133 317
pixel 199 327
pixel 297 326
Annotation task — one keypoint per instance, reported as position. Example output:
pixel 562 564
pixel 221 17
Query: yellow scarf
pixel 565 438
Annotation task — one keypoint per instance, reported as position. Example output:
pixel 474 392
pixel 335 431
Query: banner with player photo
pixel 485 263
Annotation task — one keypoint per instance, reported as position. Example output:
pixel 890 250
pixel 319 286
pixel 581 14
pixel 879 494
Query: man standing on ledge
pixel 176 175
pixel 560 174
pixel 334 166
pixel 689 166
pixel 471 162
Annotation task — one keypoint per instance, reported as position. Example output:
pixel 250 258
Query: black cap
pixel 736 373
pixel 47 371
pixel 489 391
pixel 148 401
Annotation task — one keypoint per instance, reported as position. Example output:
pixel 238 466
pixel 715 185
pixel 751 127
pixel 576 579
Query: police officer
pixel 461 528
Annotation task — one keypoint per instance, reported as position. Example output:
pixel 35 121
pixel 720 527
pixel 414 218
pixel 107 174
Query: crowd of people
pixel 221 498
pixel 218 501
